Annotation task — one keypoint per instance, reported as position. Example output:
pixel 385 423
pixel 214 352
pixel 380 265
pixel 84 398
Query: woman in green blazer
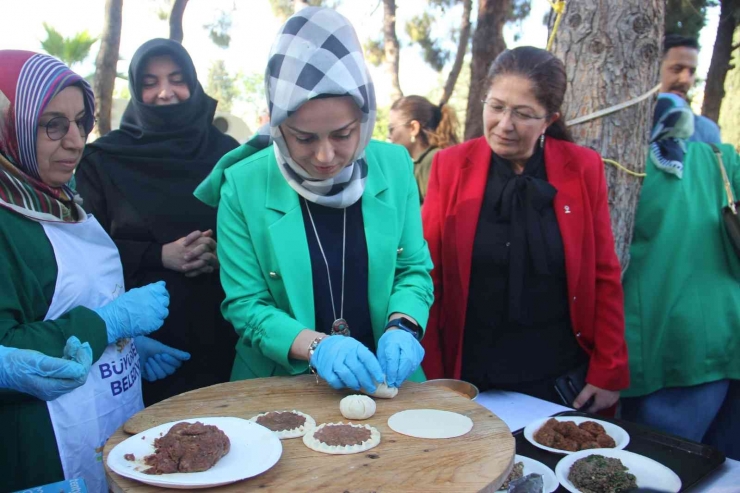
pixel 320 228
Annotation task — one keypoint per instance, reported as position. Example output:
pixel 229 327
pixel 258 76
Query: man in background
pixel 677 76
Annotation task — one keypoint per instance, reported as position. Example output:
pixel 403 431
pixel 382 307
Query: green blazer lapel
pixel 381 235
pixel 289 244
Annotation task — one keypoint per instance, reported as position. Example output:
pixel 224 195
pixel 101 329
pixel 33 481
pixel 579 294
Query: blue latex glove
pixel 399 354
pixel 42 376
pixel 136 312
pixel 158 360
pixel 344 362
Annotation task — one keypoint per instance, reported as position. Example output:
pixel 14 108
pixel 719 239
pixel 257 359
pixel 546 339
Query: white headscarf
pixel 317 53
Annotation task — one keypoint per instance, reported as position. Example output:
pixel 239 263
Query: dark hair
pixel 438 123
pixel 678 41
pixel 545 71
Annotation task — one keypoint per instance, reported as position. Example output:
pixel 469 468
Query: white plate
pixel 648 473
pixel 254 450
pixel 531 466
pixel 621 437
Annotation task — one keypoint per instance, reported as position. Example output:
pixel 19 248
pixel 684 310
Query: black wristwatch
pixel 404 323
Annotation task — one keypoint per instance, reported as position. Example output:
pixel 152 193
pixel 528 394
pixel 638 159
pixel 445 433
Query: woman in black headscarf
pixel 138 181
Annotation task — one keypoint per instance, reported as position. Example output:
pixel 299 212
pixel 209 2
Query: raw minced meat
pixel 188 447
pixel 516 472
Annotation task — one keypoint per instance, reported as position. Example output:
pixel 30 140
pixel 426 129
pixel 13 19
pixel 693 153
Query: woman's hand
pixel 42 376
pixel 191 255
pixel 158 360
pixel 345 362
pixel 136 312
pixel 602 398
pixel 399 354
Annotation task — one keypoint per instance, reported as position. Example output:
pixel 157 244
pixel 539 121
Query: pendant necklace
pixel 340 326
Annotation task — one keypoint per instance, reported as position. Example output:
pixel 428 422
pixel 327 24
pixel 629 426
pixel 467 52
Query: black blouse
pixel 330 225
pixel 518 326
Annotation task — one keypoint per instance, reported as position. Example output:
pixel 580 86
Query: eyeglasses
pixel 58 127
pixel 393 127
pixel 516 115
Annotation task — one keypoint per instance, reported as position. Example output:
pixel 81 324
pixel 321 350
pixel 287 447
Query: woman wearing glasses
pixel 527 282
pixel 138 181
pixel 321 245
pixel 423 129
pixel 62 287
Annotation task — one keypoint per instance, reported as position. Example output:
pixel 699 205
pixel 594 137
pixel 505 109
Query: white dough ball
pixel 383 392
pixel 357 407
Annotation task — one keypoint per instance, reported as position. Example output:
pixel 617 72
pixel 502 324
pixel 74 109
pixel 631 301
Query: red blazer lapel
pixel 471 187
pixel 569 207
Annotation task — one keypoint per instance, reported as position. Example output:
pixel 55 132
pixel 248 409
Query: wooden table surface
pixel 478 461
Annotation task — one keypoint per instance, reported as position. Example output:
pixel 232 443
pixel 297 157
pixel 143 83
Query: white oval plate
pixel 648 473
pixel 531 466
pixel 620 436
pixel 254 450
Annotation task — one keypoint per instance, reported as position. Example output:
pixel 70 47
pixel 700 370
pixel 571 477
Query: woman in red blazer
pixel 527 282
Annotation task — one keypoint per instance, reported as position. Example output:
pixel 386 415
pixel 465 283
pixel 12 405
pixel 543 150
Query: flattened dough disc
pixel 430 423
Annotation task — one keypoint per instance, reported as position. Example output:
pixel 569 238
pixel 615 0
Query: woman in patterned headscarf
pixel 320 230
pixel 61 283
pixel 681 293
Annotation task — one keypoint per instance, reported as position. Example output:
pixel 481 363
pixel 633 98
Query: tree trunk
pixel 462 48
pixel 488 42
pixel 612 54
pixel 714 90
pixel 106 64
pixel 178 10
pixel 390 42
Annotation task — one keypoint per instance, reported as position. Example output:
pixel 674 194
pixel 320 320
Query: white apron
pixel 90 275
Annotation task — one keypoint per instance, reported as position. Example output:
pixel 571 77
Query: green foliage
pixel 69 50
pixel 419 29
pixel 218 30
pixel 161 8
pixel 729 116
pixel 221 86
pixel 686 17
pixel 285 8
pixel 374 52
pixel 253 90
pixel 380 132
pixel 459 99
pixel 519 11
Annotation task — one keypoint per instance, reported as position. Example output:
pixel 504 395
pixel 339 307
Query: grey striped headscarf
pixel 317 53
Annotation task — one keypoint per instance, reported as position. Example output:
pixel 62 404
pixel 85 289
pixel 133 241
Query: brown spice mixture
pixel 281 421
pixel 340 435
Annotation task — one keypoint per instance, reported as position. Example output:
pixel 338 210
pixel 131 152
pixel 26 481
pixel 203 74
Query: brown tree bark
pixel 105 65
pixel 392 52
pixel 612 54
pixel 176 14
pixel 714 90
pixel 462 48
pixel 488 42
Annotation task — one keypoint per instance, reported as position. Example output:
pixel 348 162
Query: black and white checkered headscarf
pixel 317 53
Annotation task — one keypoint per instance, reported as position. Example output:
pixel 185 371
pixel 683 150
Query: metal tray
pixel 690 460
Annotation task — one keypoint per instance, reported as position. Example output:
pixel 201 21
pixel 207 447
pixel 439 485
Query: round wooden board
pixel 478 461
